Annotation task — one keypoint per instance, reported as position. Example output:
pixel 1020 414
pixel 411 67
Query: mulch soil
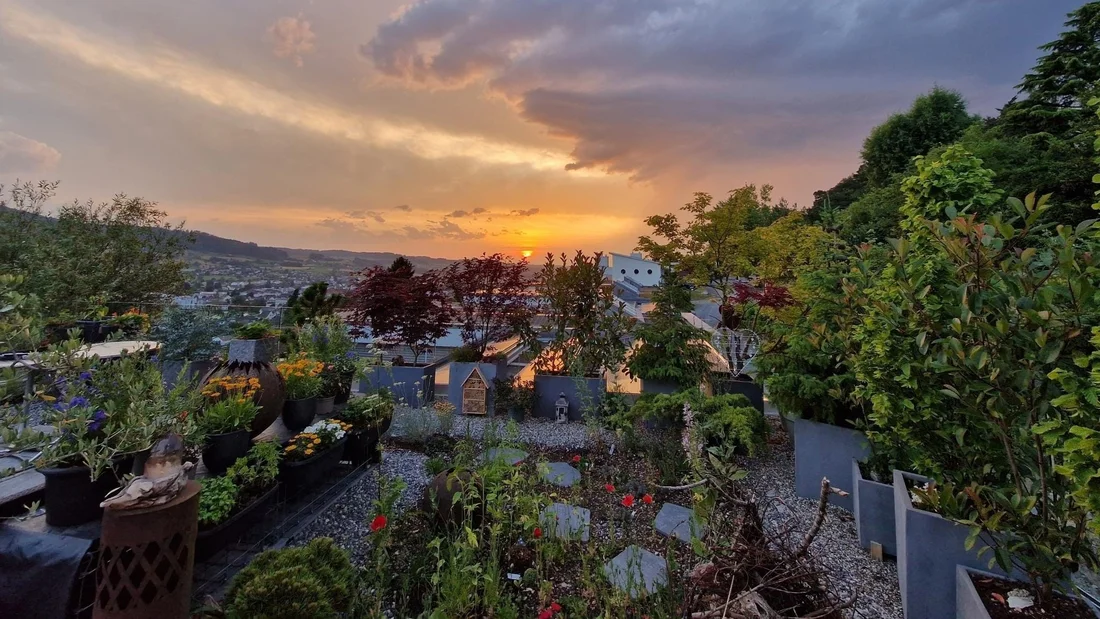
pixel 994 594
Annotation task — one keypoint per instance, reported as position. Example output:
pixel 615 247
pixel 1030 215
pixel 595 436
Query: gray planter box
pixel 254 351
pixel 460 372
pixel 659 386
pixel 929 548
pixel 874 512
pixel 548 388
pixel 410 385
pixel 823 450
pixel 968 603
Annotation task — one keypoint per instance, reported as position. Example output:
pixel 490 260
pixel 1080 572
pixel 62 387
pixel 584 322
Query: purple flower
pixel 78 402
pixel 86 376
pixel 349 354
pixel 98 418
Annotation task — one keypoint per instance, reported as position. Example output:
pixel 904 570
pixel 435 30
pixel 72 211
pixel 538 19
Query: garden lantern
pixel 562 408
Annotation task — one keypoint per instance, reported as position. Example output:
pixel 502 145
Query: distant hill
pixel 210 244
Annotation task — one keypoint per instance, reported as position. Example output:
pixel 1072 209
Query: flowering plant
pixel 132 322
pixel 302 376
pixel 315 439
pixel 443 406
pixel 230 404
pixel 369 411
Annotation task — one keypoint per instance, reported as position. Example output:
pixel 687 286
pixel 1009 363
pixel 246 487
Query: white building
pixel 634 268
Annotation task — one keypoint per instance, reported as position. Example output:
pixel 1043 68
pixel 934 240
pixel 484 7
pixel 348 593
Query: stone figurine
pixel 162 479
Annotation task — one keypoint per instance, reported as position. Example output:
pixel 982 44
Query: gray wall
pixel 548 388
pixel 401 380
pixel 874 512
pixel 823 450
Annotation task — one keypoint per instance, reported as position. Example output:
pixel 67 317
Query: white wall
pixel 644 272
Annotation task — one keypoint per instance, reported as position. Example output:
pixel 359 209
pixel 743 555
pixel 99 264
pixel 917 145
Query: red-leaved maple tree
pixel 398 304
pixel 491 295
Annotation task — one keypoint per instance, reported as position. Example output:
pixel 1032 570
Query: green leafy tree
pixel 874 217
pixel 583 324
pixel 669 349
pixel 313 303
pixel 123 251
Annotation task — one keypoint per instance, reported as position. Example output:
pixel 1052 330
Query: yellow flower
pixel 309 452
pixel 291 447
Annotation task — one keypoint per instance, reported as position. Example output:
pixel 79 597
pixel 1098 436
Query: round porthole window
pixel 649 271
pixel 635 271
pixel 623 271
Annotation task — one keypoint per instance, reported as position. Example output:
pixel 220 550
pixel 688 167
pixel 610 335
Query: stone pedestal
pixel 146 560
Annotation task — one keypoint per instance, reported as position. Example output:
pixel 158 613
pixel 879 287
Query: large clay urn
pixel 255 359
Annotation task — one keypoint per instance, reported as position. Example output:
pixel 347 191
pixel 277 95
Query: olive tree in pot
pixel 302 377
pixel 226 419
pixel 369 417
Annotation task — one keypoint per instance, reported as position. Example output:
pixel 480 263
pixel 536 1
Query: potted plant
pixel 105 414
pixel 369 417
pixel 94 327
pixel 521 402
pixel 330 388
pixel 226 419
pixel 346 367
pixel 229 506
pixel 585 327
pixel 250 355
pixel 671 355
pixel 983 595
pixel 307 456
pixel 302 377
pixel 132 323
pixel 187 338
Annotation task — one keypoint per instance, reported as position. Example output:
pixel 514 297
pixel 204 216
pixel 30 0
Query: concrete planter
pixel 548 388
pixel 460 372
pixel 874 512
pixel 823 450
pixel 660 386
pixel 929 548
pixel 410 385
pixel 968 603
pixel 254 351
pixel 746 387
pixel 170 371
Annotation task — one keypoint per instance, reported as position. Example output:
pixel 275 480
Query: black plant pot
pixel 92 331
pixel 299 475
pixel 72 498
pixel 220 451
pixel 362 447
pixel 297 414
pixel 517 414
pixel 209 541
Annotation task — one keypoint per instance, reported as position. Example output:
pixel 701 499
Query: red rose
pixel 628 500
pixel 378 523
pixel 576 459
pixel 554 606
pixel 609 488
pixel 647 499
pixel 538 532
pixel 546 614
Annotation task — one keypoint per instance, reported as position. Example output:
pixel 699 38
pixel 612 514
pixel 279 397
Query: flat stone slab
pixel 637 571
pixel 559 473
pixel 678 522
pixel 508 455
pixel 566 521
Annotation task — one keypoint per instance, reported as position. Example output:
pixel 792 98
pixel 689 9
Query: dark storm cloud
pixel 646 87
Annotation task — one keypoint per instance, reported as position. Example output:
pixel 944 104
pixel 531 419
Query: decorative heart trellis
pixel 738 346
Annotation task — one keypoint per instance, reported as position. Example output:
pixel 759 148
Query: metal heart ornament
pixel 738 346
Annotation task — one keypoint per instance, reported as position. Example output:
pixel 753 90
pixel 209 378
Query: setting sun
pixel 527 253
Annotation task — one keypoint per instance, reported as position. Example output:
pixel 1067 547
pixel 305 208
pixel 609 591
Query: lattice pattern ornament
pixel 737 346
pixel 146 559
pixel 475 395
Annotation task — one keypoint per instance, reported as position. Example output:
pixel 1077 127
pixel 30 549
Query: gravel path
pixel 771 479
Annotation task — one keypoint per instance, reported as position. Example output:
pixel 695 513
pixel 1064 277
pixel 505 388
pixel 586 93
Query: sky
pixel 454 127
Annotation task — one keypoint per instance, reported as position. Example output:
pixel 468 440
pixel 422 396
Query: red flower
pixel 554 606
pixel 378 523
pixel 647 499
pixel 546 614
pixel 628 500
pixel 576 458
pixel 609 488
pixel 538 532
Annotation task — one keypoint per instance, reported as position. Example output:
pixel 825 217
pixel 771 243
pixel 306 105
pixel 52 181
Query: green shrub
pixel 313 582
pixel 254 330
pixel 732 425
pixel 466 354
pixel 665 407
pixel 217 500
pixel 258 469
pixel 435 465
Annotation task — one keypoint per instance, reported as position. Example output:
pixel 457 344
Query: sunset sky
pixel 452 127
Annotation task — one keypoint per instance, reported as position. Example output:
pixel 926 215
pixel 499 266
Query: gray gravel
pixel 348 521
pixel 771 480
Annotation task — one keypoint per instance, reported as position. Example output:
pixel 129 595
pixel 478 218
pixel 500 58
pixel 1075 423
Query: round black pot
pixel 297 414
pixel 220 451
pixel 301 474
pixel 72 498
pixel 324 407
pixel 342 396
pixel 92 331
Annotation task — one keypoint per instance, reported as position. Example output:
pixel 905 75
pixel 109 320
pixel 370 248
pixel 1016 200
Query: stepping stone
pixel 678 522
pixel 559 473
pixel 566 521
pixel 637 571
pixel 508 455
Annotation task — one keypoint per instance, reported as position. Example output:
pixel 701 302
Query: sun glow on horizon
pixel 527 253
